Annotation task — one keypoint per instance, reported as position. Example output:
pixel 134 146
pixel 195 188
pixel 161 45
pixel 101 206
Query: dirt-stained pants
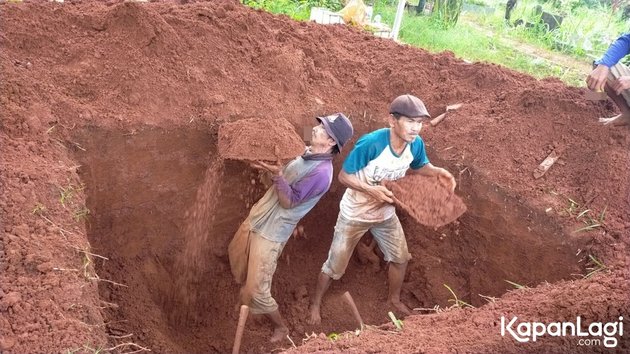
pixel 253 260
pixel 388 234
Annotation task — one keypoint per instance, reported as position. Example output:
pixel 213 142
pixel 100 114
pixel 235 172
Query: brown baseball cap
pixel 408 106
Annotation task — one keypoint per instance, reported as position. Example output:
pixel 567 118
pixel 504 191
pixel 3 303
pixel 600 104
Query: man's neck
pixel 397 144
pixel 320 149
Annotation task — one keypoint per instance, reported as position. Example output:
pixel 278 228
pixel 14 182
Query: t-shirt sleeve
pixel 364 151
pixel 619 49
pixel 420 157
pixel 315 183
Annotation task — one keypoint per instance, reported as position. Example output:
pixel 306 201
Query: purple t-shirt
pixel 313 184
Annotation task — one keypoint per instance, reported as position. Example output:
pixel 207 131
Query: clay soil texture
pixel 116 213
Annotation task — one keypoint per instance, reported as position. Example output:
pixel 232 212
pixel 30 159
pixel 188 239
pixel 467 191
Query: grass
pixel 398 323
pixel 457 302
pixel 583 33
pixel 39 209
pixel 470 43
pixel 81 214
pixel 86 348
pixel 333 336
pixel 516 285
pixel 583 214
pixel 595 266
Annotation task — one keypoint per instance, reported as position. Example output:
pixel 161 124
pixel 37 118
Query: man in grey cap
pixel 297 187
pixel 382 155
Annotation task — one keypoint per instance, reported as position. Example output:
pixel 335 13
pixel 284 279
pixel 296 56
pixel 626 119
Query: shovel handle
pixel 242 318
pixel 353 307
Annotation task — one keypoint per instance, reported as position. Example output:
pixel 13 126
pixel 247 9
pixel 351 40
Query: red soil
pixel 259 139
pixel 115 107
pixel 427 201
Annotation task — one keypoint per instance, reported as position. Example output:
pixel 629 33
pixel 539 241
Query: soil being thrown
pixel 117 211
pixel 427 201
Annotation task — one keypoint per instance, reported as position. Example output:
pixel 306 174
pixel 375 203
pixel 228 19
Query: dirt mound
pixel 427 201
pixel 259 139
pixel 110 123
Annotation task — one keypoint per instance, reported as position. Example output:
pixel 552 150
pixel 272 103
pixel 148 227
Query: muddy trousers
pixel 253 260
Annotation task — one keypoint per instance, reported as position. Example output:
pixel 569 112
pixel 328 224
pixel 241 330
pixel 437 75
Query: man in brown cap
pixel 382 155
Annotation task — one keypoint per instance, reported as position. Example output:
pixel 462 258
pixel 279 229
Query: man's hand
pixel 381 193
pixel 622 83
pixel 275 169
pixel 596 80
pixel 446 179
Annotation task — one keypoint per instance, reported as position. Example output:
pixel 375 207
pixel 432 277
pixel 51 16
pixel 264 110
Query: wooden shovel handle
pixel 435 121
pixel 353 307
pixel 242 318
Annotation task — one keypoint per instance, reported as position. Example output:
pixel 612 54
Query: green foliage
pixel 468 41
pixel 477 2
pixel 296 9
pixel 585 32
pixel 447 12
pixel 333 336
pixel 398 323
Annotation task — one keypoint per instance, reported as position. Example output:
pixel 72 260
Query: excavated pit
pixel 133 93
pixel 141 185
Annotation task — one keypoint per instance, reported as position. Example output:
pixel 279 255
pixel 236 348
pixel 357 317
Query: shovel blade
pixel 595 96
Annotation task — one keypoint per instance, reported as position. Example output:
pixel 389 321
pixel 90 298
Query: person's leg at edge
pixel 620 102
pixel 396 276
pixel 323 283
pixel 280 329
pixel 624 117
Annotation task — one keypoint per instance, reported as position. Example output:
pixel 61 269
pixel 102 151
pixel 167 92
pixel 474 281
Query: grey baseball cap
pixel 339 127
pixel 409 106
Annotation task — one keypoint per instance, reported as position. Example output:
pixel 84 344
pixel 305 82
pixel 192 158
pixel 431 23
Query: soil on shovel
pixel 117 210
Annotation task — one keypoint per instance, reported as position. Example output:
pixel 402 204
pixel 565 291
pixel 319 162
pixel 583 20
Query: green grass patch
pixel 470 43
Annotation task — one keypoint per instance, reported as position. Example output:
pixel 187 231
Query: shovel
pixel 435 121
pixel 355 312
pixel 242 318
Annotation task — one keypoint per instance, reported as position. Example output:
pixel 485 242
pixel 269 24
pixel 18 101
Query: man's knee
pixel 399 264
pixel 331 273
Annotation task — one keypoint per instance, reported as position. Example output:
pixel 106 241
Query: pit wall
pixel 142 183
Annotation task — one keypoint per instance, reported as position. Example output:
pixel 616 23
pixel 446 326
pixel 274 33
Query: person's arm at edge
pixel 617 50
pixel 596 80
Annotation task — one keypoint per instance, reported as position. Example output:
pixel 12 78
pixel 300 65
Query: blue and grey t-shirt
pixel 372 160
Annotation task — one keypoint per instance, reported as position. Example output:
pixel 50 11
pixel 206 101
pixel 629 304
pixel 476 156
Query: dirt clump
pixel 426 200
pixel 259 139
